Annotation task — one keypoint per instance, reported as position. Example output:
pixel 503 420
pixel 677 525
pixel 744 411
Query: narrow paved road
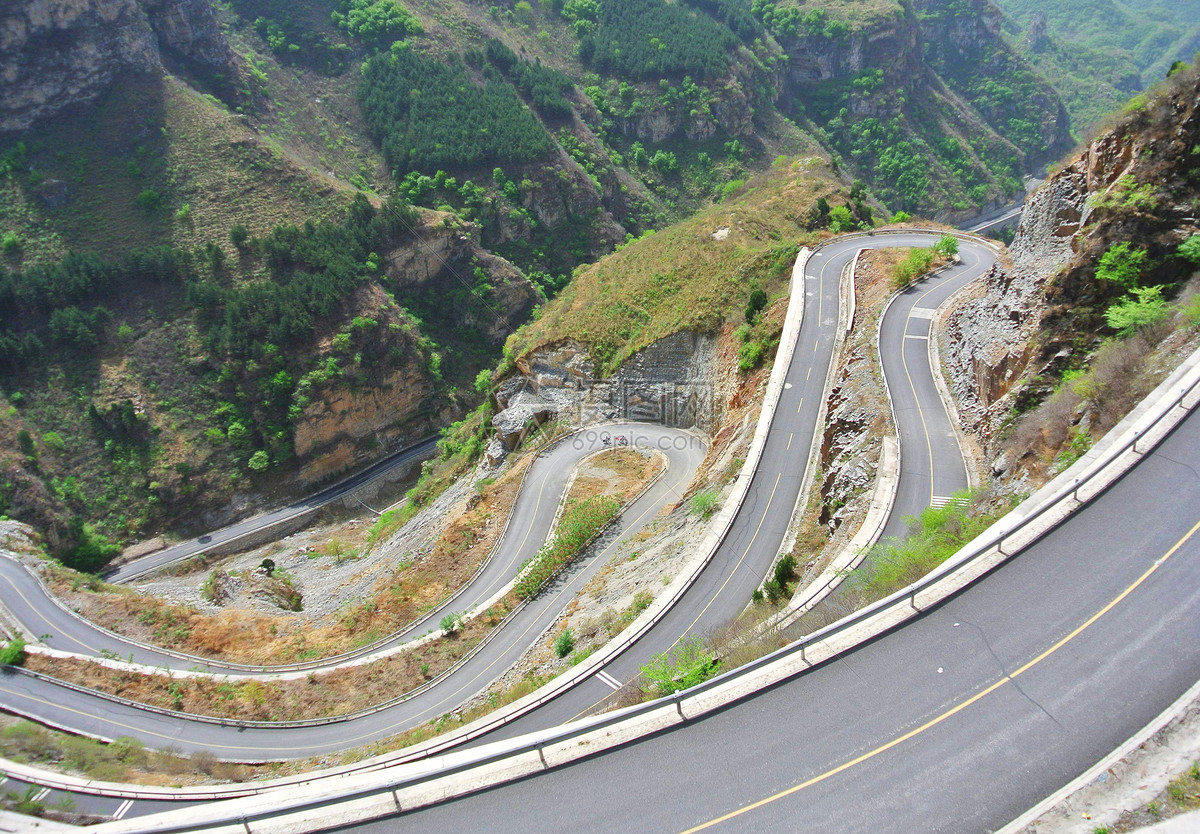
pixel 932 467
pixel 531 522
pixel 177 552
pixel 720 593
pixel 957 722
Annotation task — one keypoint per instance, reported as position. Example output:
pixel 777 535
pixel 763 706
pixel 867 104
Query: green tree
pixel 238 235
pixel 259 461
pixel 1122 265
pixel 1129 315
pixel 1189 250
pixel 755 304
pixel 840 219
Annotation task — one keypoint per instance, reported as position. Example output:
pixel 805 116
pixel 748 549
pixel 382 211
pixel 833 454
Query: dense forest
pixel 429 114
pixel 188 276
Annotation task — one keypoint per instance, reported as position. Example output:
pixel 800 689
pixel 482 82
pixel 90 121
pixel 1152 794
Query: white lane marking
pixel 41 794
pixel 915 336
pixel 608 679
pixel 3 780
pixel 940 500
pixel 921 312
pixel 122 809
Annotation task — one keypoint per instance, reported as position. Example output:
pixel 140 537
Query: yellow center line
pixel 883 748
pixel 728 578
pixel 790 436
pixel 800 405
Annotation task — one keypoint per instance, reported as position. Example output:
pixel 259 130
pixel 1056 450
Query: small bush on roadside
pixel 705 503
pixel 564 643
pixel 450 622
pixel 690 663
pixel 13 652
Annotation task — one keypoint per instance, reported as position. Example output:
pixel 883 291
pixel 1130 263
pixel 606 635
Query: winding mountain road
pixel 958 721
pixel 720 592
pixel 181 550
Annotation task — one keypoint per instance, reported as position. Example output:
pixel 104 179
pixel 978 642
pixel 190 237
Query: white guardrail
pixel 438 747
pixel 368 795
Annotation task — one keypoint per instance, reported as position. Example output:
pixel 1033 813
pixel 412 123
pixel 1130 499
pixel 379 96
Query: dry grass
pixel 681 278
pixel 318 695
pixel 250 637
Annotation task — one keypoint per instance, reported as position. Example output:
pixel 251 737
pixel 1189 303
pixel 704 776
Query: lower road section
pixel 957 722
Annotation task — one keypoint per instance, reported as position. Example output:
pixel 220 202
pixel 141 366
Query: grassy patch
pixel 682 278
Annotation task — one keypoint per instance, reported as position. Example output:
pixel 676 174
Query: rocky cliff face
pixel 59 53
pixel 966 49
pixel 1039 314
pixel 357 418
pixel 672 382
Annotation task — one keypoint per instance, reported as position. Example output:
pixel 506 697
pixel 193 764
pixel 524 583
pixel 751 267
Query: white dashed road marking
pixel 608 679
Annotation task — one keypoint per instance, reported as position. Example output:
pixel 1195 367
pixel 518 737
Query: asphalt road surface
pixel 957 722
pixel 177 552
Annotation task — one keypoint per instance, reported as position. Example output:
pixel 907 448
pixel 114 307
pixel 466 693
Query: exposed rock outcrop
pixel 58 53
pixel 672 382
pixel 1035 316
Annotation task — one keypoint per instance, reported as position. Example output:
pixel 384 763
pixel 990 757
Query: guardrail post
pixel 542 756
pixel 912 600
pixel 1075 492
pixel 679 707
pixel 1134 447
pixel 396 798
pixel 245 824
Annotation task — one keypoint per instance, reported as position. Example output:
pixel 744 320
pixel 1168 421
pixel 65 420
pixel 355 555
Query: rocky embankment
pixel 1041 312
pixel 674 382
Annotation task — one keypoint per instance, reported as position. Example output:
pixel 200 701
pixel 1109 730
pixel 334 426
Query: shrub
pixel 238 235
pixel 93 550
pixel 25 441
pixel 10 243
pixel 450 622
pixel 1189 250
pixel 750 356
pixel 268 565
pixel 578 525
pixel 946 246
pixel 259 461
pixel 149 200
pixel 901 217
pixel 13 652
pixel 777 586
pixel 54 440
pixel 564 643
pixel 840 219
pixel 1122 265
pixel 755 305
pixel 704 503
pixel 689 664
pixel 915 264
pixel 1130 315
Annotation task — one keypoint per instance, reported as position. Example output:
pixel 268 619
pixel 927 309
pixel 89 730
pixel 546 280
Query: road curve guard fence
pixel 385 791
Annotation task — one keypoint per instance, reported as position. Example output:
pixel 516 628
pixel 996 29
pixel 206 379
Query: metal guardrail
pixel 992 541
pixel 320 664
pixel 632 635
